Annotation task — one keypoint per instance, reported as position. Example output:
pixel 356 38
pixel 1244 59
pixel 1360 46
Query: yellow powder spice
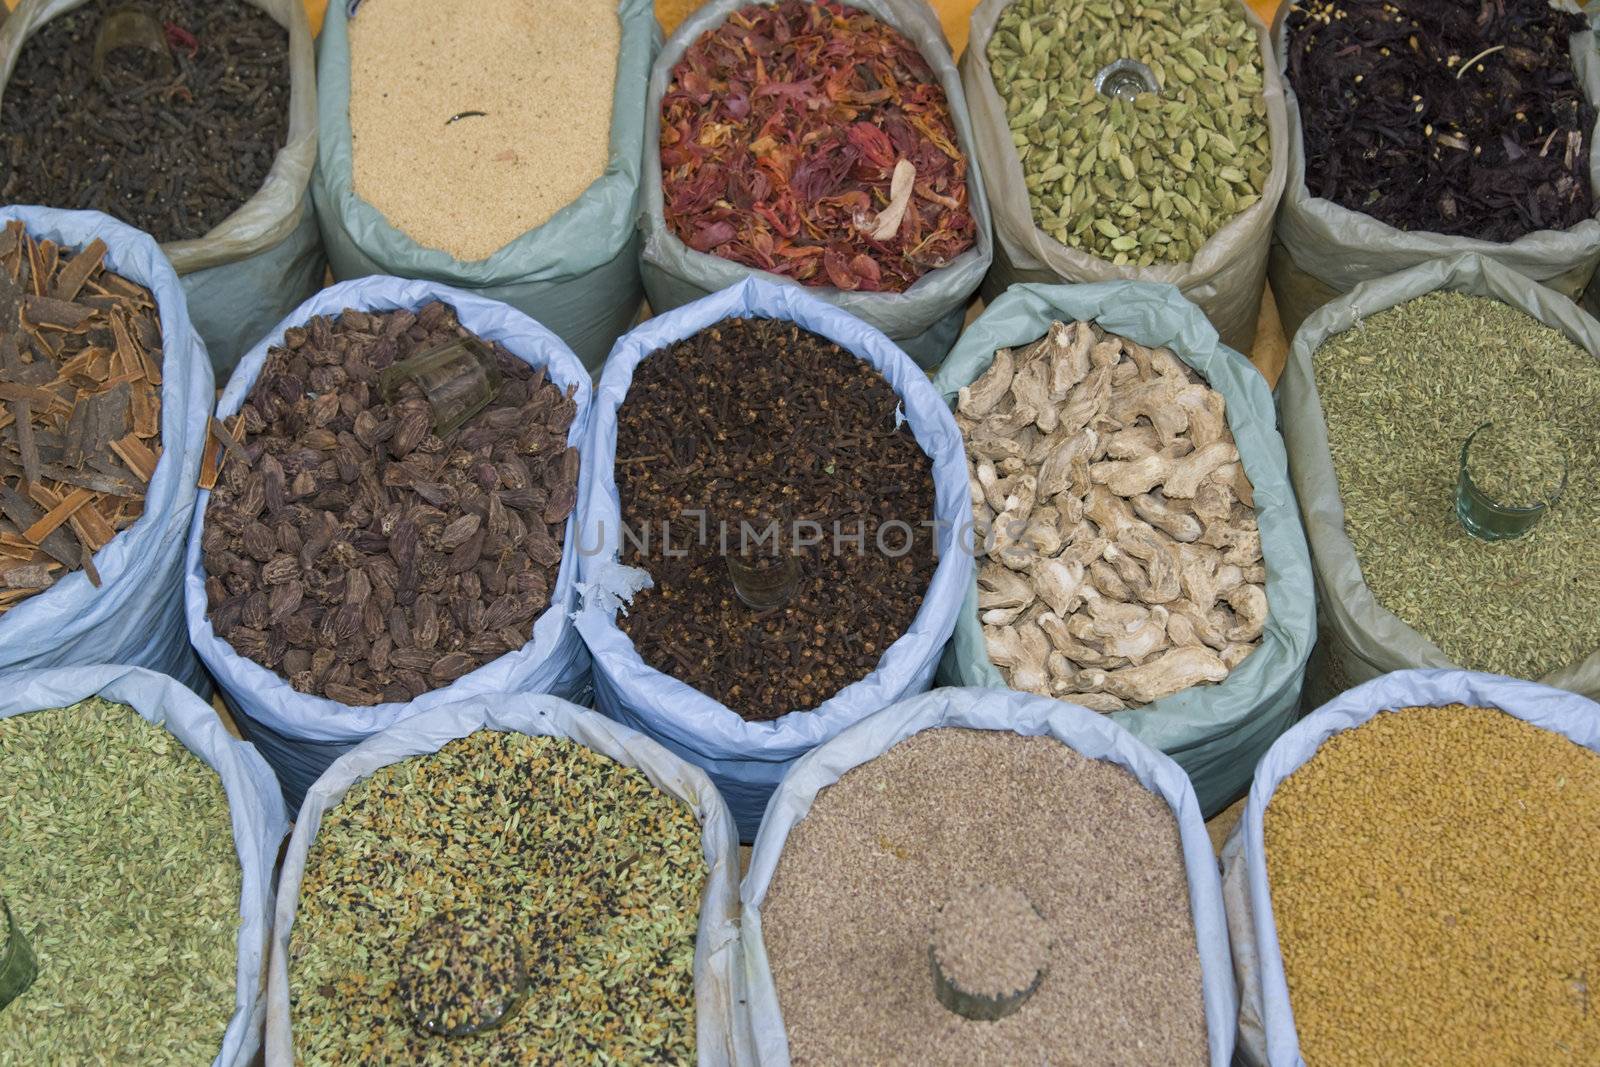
pixel 1435 878
pixel 541 72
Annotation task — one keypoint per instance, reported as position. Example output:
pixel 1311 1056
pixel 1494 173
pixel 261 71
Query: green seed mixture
pixel 1400 393
pixel 1435 879
pixel 598 871
pixel 1140 182
pixel 118 860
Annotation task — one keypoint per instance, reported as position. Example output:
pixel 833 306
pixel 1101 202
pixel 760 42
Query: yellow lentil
pixel 1435 880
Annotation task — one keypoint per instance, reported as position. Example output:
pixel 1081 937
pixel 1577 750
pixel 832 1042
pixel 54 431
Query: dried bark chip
pixel 67 408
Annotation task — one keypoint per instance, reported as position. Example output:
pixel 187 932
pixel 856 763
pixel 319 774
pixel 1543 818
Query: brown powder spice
pixel 853 901
pixel 1435 879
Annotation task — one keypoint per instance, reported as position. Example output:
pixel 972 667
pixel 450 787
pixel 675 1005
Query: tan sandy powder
pixel 847 918
pixel 542 70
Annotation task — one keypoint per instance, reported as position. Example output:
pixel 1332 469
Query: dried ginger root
pixel 1121 559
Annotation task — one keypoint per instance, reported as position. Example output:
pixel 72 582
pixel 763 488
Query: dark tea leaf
pixel 1458 118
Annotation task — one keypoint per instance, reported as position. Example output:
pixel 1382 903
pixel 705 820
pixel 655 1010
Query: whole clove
pixel 171 140
pixel 80 409
pixel 757 445
pixel 359 554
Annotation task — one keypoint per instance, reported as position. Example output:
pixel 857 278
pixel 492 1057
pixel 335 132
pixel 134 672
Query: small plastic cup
pixel 131 27
pixel 18 967
pixel 1125 79
pixel 459 380
pixel 1489 519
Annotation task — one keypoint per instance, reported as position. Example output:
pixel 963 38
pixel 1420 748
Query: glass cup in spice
pixel 762 566
pixel 1511 476
pixel 135 28
pixel 459 380
pixel 462 974
pixel 1124 79
pixel 18 967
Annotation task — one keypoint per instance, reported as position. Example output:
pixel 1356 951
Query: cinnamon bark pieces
pixel 80 408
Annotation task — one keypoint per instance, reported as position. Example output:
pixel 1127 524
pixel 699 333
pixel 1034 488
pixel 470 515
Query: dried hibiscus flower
pixel 812 140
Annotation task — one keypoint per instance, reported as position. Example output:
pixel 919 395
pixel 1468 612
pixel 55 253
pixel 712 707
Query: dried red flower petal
pixel 780 133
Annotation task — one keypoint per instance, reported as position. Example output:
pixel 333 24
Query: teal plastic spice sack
pixel 1321 251
pixel 255 806
pixel 578 273
pixel 135 615
pixel 1360 638
pixel 262 260
pixel 1215 732
pixel 925 319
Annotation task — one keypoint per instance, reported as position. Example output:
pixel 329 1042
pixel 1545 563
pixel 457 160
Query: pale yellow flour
pixel 543 72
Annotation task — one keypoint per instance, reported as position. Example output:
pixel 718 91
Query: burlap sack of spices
pixel 1359 638
pixel 747 759
pixel 721 1022
pixel 300 734
pixel 1267 1035
pixel 1321 250
pixel 1215 732
pixel 135 615
pixel 926 318
pixel 266 257
pixel 255 806
pixel 578 273
pixel 1224 279
pixel 1089 734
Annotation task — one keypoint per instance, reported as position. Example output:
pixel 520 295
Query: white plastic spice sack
pixel 746 760
pixel 266 257
pixel 926 318
pixel 255 807
pixel 1360 638
pixel 1321 250
pixel 721 1024
pixel 1088 733
pixel 1224 279
pixel 1267 1036
pixel 135 615
pixel 1215 732
pixel 300 734
pixel 578 273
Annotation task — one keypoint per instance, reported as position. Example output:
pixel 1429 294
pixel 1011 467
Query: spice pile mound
pixel 812 140
pixel 755 440
pixel 863 880
pixel 354 551
pixel 80 415
pixel 1400 396
pixel 596 871
pixel 117 859
pixel 468 129
pixel 1145 181
pixel 1461 119
pixel 172 135
pixel 1435 879
pixel 1123 556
